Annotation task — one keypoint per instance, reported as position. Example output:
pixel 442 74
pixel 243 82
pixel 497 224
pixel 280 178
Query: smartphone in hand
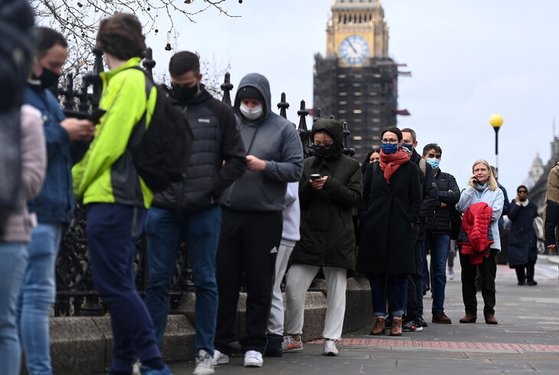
pixel 315 176
pixel 96 115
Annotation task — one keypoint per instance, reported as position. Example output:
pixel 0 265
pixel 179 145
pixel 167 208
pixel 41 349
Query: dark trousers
pixel 111 230
pixel 487 271
pixel 525 272
pixel 414 290
pixel 247 251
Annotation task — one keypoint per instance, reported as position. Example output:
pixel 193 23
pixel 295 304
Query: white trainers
pixel 204 363
pixel 450 273
pixel 220 358
pixel 253 359
pixel 329 348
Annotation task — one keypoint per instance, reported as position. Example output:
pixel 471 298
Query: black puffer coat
pixel 327 233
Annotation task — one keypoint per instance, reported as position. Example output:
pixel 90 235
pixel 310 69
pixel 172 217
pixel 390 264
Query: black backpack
pixel 162 151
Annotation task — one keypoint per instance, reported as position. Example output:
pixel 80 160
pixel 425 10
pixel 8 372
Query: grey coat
pixel 34 161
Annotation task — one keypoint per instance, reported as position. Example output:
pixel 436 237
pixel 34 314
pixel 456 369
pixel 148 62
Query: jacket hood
pixel 332 127
pixel 259 82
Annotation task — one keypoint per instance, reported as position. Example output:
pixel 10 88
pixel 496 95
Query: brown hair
pixel 121 36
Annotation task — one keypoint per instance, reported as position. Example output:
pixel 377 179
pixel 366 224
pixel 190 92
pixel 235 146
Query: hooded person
pixel 329 190
pixel 252 218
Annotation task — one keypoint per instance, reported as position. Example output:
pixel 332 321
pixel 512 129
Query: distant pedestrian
pixel 481 202
pixel 330 189
pixel 389 228
pixel 523 251
pixel 115 197
pixel 252 219
pixel 190 211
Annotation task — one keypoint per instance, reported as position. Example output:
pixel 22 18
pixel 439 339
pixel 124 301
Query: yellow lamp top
pixel 496 120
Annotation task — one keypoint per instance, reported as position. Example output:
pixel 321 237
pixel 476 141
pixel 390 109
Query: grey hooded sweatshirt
pixel 273 139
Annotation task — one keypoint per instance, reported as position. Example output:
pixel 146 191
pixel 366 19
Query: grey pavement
pixel 526 340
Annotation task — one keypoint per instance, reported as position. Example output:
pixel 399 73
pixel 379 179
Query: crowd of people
pixel 251 209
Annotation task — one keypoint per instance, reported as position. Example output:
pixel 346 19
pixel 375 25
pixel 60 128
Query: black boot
pixel 273 345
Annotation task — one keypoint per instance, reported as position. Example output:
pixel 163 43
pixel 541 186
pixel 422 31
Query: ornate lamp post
pixel 496 120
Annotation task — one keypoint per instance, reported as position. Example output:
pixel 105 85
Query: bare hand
pixel 551 247
pixel 318 183
pixel 78 130
pixel 254 164
pixel 444 204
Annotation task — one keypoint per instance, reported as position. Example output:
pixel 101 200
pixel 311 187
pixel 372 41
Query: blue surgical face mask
pixel 433 162
pixel 409 146
pixel 389 148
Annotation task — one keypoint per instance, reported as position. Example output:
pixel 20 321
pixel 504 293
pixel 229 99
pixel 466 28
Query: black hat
pixel 249 92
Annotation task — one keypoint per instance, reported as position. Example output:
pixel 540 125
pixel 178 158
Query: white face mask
pixel 251 113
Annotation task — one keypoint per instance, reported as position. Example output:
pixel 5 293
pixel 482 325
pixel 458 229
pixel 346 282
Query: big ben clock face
pixel 354 50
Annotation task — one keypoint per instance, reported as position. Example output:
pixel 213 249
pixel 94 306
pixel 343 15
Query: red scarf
pixel 390 163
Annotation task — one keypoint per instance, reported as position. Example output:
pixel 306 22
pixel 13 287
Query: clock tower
pixel 356 81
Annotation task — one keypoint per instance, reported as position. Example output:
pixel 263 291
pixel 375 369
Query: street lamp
pixel 496 120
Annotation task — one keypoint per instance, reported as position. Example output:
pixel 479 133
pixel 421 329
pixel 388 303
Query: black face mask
pixel 184 94
pixel 49 79
pixel 325 152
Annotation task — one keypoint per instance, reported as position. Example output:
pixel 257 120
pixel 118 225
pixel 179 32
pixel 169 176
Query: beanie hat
pixel 249 92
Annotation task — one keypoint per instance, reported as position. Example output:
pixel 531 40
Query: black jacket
pixel 429 195
pixel 449 193
pixel 388 227
pixel 522 240
pixel 216 140
pixel 327 234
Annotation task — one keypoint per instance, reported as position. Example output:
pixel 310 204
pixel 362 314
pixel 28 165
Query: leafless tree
pixel 78 19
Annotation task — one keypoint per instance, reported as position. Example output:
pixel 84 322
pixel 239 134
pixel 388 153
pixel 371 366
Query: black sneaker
pixel 421 321
pixel 412 326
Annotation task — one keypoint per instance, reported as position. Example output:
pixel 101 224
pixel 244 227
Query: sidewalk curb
pixel 82 345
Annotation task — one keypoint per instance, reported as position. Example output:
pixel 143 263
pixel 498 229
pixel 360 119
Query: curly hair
pixel 121 36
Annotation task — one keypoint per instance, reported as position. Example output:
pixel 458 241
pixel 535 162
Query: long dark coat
pixel 389 226
pixel 522 236
pixel 327 233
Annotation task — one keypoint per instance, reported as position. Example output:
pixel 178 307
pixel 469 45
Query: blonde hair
pixel 491 182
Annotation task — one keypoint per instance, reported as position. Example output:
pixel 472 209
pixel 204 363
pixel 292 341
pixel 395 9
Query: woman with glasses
pixel 329 191
pixel 481 202
pixel 392 197
pixel 522 251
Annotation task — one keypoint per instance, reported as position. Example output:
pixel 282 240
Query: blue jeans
pixel 396 285
pixel 13 260
pixel 200 230
pixel 111 232
pixel 37 296
pixel 440 246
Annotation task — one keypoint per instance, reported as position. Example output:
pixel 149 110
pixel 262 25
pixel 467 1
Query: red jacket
pixel 475 234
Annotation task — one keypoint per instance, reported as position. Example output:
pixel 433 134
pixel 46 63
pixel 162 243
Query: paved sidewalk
pixel 526 340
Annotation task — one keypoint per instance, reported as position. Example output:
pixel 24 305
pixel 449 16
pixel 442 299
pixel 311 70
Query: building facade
pixel 356 81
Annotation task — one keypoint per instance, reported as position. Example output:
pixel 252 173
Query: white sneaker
pixel 450 273
pixel 204 363
pixel 329 348
pixel 220 358
pixel 253 359
pixel 292 344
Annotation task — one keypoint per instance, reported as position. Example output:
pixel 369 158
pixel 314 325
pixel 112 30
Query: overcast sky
pixel 468 59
